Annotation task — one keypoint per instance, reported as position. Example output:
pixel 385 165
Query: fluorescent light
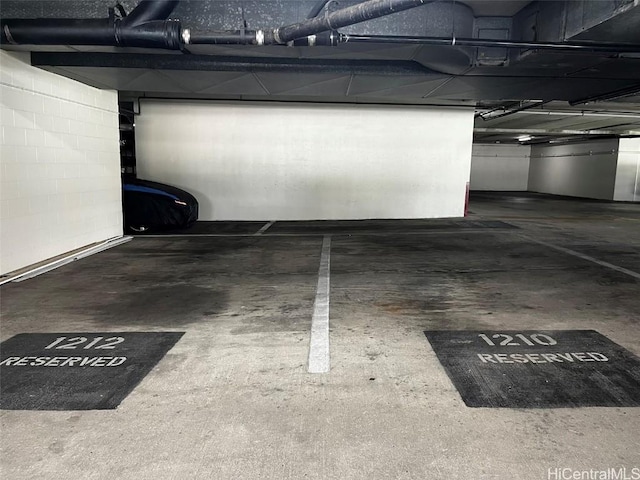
pixel 524 138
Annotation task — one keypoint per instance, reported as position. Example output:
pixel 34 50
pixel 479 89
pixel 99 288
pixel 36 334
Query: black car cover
pixel 156 206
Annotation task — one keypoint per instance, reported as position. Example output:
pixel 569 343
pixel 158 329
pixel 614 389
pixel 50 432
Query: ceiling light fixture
pixel 525 138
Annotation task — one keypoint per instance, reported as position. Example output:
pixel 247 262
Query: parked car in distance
pixel 151 206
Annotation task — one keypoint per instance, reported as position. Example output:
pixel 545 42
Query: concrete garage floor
pixel 233 398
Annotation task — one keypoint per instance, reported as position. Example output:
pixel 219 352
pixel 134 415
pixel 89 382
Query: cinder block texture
pixel 60 164
pixel 500 167
pixel 252 161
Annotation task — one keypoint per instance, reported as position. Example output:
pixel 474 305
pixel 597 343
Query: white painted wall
pixel 59 164
pixel 627 186
pixel 249 161
pixel 500 167
pixel 580 170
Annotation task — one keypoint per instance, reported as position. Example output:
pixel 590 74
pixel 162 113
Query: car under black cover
pixel 153 206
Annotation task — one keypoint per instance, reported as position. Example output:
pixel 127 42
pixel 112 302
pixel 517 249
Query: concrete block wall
pixel 627 186
pixel 60 185
pixel 500 167
pixel 603 169
pixel 585 169
pixel 252 161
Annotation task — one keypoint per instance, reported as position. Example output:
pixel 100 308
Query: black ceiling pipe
pixel 58 31
pixel 313 31
pixel 476 42
pixel 255 37
pixel 342 18
pixel 165 34
pixel 227 37
pixel 92 31
pixel 154 33
pixel 149 10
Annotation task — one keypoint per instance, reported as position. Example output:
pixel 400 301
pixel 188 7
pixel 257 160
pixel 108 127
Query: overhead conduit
pixel 147 26
pixel 315 30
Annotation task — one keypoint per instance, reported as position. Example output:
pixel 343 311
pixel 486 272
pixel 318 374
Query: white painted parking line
pixel 345 234
pixel 631 273
pixel 264 228
pixel 319 354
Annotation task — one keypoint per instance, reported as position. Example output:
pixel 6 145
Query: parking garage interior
pixel 417 252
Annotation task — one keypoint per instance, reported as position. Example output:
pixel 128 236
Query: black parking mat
pixel 538 369
pixel 77 371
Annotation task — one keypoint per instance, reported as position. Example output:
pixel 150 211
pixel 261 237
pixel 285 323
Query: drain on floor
pixel 538 369
pixel 77 371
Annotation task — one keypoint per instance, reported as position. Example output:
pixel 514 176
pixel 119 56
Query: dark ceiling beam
pixel 230 63
pixel 625 92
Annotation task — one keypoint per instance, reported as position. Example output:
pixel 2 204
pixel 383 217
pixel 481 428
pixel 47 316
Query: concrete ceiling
pixel 496 8
pixel 495 81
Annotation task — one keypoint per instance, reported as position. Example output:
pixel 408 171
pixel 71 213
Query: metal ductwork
pixel 578 22
pixel 147 27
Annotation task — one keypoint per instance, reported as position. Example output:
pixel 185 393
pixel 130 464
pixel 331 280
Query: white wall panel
pixel 247 161
pixel 59 164
pixel 627 186
pixel 580 170
pixel 500 167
